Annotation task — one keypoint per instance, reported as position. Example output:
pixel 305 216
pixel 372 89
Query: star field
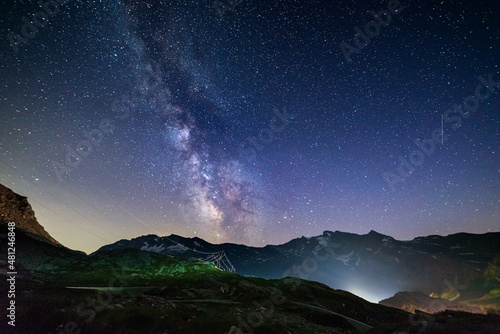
pixel 254 122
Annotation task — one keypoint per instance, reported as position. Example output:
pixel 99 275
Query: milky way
pixel 254 123
pixel 218 195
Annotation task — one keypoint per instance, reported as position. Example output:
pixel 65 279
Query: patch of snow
pixel 177 248
pixel 155 249
pixel 456 247
pixel 322 241
pixel 344 258
pixel 387 241
pixel 196 243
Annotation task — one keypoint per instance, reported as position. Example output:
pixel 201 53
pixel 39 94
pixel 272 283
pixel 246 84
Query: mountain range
pixel 154 284
pixel 374 265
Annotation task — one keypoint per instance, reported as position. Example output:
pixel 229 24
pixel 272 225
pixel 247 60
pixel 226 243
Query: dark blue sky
pixel 253 123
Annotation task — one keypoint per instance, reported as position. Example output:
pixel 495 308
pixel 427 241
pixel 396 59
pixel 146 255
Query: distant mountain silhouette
pixel 375 264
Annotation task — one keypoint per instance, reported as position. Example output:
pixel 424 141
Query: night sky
pixel 251 122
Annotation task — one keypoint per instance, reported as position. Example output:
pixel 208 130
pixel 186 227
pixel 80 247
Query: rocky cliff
pixel 15 208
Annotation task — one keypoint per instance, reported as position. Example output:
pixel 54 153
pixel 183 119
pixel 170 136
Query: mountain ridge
pixel 421 264
pixel 16 208
pixel 372 233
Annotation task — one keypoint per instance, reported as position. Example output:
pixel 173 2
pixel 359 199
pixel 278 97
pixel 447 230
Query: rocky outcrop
pixel 16 208
pixel 418 301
